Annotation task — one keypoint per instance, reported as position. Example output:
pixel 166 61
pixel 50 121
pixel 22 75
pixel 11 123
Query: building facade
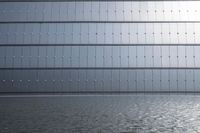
pixel 100 46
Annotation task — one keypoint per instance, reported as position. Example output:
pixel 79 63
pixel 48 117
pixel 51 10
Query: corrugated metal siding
pixel 114 46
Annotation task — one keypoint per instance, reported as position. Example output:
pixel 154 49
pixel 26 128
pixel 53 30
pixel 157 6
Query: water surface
pixel 100 114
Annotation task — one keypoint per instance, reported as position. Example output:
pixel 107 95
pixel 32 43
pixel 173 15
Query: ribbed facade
pixel 100 46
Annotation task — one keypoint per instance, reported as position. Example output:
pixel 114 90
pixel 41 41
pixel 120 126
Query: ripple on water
pixel 101 114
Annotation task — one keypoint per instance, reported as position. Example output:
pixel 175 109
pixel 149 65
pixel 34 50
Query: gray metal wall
pixel 99 46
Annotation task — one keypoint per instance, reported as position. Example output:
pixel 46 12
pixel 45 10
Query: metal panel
pixel 95 11
pixel 126 33
pixel 99 46
pixel 99 56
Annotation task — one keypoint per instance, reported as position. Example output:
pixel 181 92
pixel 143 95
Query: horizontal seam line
pixel 7 22
pixel 82 0
pixel 26 45
pixel 93 68
pixel 97 92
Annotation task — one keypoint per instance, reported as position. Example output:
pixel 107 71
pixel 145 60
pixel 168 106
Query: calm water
pixel 100 114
